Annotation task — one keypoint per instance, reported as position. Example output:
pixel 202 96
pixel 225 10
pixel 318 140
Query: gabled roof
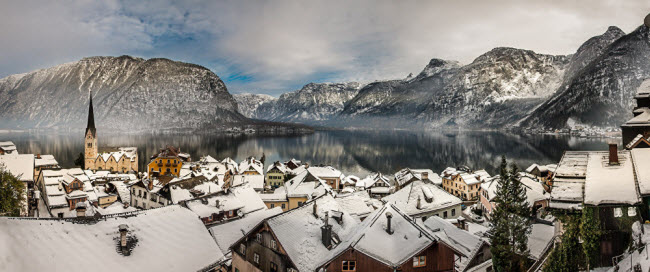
pixel 407 239
pixel 251 164
pixel 157 237
pixel 638 140
pixel 45 160
pixel 306 185
pixel 8 146
pixel 305 248
pixel 431 197
pixel 229 232
pixel 461 241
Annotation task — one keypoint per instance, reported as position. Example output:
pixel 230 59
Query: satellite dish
pixel 646 21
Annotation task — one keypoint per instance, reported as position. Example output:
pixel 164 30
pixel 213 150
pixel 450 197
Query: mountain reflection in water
pixel 353 152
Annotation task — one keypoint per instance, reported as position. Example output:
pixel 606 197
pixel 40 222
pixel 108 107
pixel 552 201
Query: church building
pixel 116 160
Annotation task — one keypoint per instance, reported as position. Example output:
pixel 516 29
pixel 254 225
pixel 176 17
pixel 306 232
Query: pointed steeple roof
pixel 91 116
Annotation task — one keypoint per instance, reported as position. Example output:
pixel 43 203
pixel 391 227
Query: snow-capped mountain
pixel 248 103
pixel 601 92
pixel 128 93
pixel 312 104
pixel 447 94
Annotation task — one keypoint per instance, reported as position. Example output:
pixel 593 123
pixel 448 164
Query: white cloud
pixel 285 44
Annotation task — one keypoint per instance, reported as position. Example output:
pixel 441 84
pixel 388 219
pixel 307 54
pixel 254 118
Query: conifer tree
pixel 11 193
pixel 511 222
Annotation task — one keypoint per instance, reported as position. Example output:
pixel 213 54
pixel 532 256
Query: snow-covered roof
pixel 642 117
pixel 251 164
pixel 463 242
pixel 573 164
pixel 122 191
pixel 534 189
pixel 45 160
pixel 351 180
pixel 280 194
pixel 540 237
pixel 404 176
pixel 431 176
pixel 115 208
pixel 229 232
pixel 306 185
pixel 637 140
pixel 325 172
pixel 354 204
pixel 19 165
pixel 157 236
pixel 567 191
pixel 640 158
pixel 242 198
pixel 407 239
pixel 406 198
pixel 305 247
pixel 255 181
pixel 610 184
pixel 8 147
pixel 277 165
pixel 372 180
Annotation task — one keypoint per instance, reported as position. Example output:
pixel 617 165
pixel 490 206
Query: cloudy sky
pixel 277 46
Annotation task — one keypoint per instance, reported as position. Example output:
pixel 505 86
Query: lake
pixel 353 152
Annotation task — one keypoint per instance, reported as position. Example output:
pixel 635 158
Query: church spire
pixel 91 116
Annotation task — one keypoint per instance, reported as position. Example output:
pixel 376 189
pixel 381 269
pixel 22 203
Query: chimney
pixel 150 185
pixel 326 231
pixel 419 204
pixel 425 175
pixel 306 165
pixel 315 211
pixel 613 154
pixel 38 156
pixel 389 216
pixel 123 230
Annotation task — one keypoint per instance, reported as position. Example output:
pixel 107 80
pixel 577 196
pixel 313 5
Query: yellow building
pixel 463 184
pixel 168 161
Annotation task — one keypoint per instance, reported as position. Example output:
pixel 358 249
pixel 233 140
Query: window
pixel 144 195
pixel 256 258
pixel 444 214
pixel 274 244
pixel 272 205
pixel 618 212
pixel 631 211
pixel 349 266
pixel 299 203
pixel 274 267
pixel 258 237
pixel 144 205
pixel 453 212
pixel 236 269
pixel 242 249
pixel 419 261
pixel 283 206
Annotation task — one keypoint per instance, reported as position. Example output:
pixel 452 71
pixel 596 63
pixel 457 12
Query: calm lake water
pixel 353 152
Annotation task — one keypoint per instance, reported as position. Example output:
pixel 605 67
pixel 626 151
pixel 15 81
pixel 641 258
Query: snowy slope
pixel 128 93
pixel 601 93
pixel 247 103
pixel 312 104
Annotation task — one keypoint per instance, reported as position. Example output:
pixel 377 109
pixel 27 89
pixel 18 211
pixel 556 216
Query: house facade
pixel 167 162
pixel 463 183
pixel 275 175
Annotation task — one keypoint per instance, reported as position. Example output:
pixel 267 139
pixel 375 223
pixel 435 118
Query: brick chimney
pixel 326 231
pixel 389 217
pixel 613 154
pixel 425 175
pixel 150 185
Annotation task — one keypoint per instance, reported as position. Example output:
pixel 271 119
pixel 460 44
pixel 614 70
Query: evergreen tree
pixel 80 161
pixel 11 193
pixel 566 257
pixel 511 222
pixel 590 233
pixel 263 158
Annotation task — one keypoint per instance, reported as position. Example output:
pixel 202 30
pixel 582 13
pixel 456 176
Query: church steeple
pixel 91 117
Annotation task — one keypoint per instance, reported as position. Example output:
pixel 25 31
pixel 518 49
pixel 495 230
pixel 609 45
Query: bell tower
pixel 90 140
